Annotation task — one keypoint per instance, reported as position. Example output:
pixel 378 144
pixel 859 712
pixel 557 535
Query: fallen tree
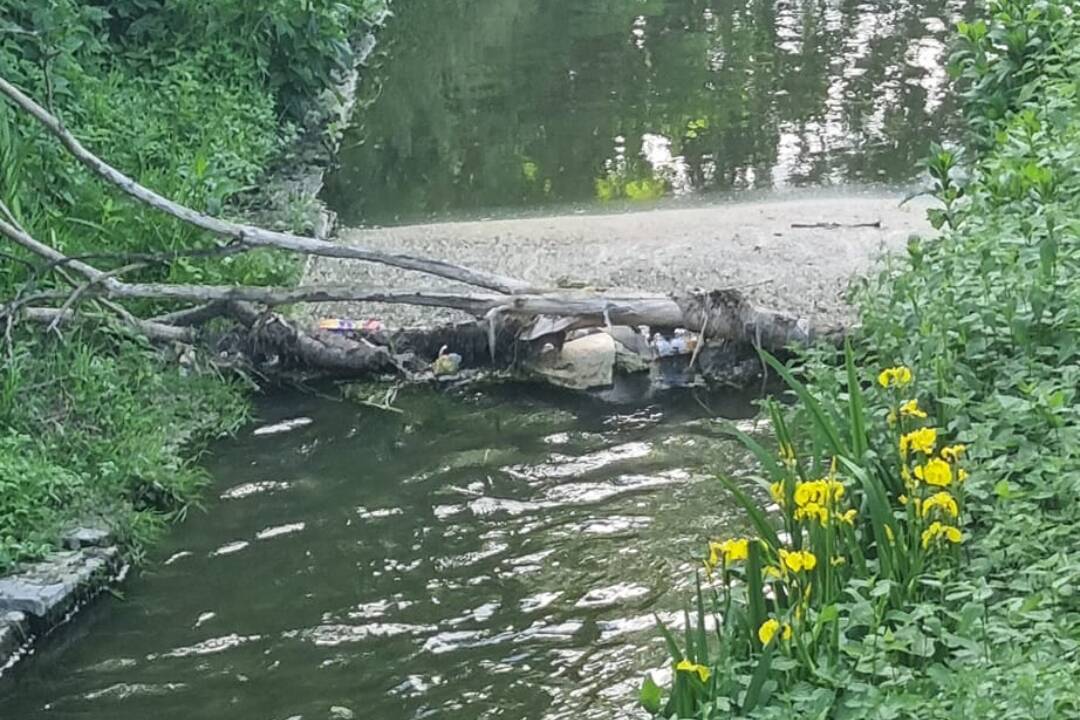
pixel 503 306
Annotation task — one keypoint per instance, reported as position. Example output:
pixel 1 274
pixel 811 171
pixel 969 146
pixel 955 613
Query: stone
pixel 631 338
pixel 585 363
pixel 47 590
pixel 628 360
pixel 339 712
pixel 87 536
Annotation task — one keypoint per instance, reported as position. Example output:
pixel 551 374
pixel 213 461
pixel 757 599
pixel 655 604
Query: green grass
pixel 102 427
pixel 987 315
pixel 196 100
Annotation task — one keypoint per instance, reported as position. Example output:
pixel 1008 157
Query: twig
pixel 701 337
pixel 836 225
pixel 152 330
pixel 193 315
pixel 15 258
pixel 78 292
pixel 387 403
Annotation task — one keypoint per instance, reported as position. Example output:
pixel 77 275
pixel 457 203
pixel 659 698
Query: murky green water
pixel 491 555
pixel 487 105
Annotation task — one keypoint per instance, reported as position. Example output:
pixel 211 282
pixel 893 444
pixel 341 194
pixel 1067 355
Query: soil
pixel 752 246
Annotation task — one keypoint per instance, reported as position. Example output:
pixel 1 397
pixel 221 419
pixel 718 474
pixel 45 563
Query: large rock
pixel 582 364
pixel 47 590
pixel 87 536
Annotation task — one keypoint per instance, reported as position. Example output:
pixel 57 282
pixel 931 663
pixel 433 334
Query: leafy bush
pixel 196 99
pixel 987 314
pixel 869 499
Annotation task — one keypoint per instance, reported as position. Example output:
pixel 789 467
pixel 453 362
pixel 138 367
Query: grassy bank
pixel 927 485
pixel 197 100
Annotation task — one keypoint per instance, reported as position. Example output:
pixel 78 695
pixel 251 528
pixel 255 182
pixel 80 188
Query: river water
pixel 499 554
pixel 484 107
pixel 496 554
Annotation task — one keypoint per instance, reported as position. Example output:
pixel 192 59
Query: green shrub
pixel 835 589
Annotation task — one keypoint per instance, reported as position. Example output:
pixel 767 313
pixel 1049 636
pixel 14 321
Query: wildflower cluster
pixel 932 479
pixel 845 524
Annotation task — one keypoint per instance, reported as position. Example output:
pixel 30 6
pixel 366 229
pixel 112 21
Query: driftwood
pixel 507 309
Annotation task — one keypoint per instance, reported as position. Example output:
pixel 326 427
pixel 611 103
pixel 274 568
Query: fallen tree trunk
pixel 511 310
pixel 272 337
pixel 719 314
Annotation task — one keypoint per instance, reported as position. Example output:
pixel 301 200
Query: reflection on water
pixel 479 557
pixel 485 104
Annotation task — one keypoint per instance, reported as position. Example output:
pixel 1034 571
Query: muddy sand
pixel 755 246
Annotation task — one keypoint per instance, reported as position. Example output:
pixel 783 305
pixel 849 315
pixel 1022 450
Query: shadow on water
pixel 489 104
pixel 490 554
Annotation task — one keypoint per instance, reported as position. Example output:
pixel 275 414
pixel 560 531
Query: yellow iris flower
pixel 770 627
pixel 798 560
pixel 911 409
pixel 921 440
pixel 938 530
pixel 730 550
pixel 689 667
pixel 953 452
pixel 897 377
pixel 942 500
pixel 935 472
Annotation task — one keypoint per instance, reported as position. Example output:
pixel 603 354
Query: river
pixel 479 108
pixel 500 552
pixel 497 553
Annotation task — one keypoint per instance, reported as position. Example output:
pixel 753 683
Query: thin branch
pixel 23 261
pixel 233 247
pixel 152 330
pixel 250 234
pixel 20 237
pixel 193 315
pixel 79 291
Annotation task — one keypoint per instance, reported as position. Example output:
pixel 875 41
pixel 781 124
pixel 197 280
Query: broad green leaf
pixel 651 696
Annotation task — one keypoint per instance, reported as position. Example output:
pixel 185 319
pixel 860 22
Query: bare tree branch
pixel 152 330
pixel 193 315
pixel 79 291
pixel 250 234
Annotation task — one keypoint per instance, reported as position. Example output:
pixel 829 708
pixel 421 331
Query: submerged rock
pixel 584 363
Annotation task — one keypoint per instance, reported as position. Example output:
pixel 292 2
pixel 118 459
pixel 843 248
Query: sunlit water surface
pixel 492 555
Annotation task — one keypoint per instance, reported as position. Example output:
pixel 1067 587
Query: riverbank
pixel 98 427
pixel 795 253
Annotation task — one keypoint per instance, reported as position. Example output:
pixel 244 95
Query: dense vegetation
pixel 195 98
pixel 901 588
